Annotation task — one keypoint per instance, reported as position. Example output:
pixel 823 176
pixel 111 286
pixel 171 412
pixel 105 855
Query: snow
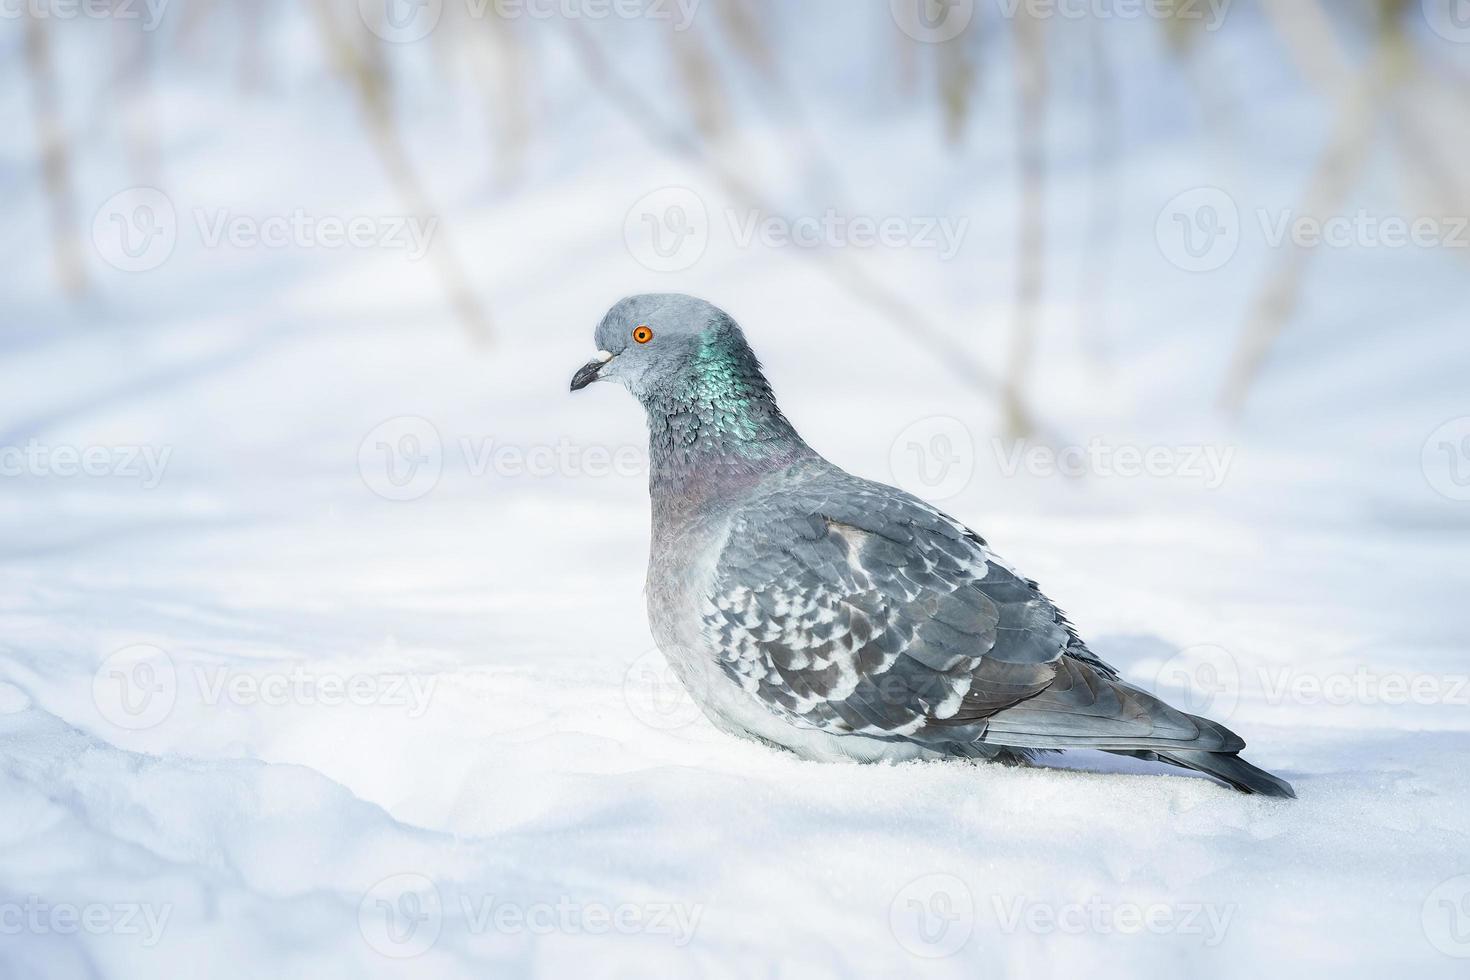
pixel 257 717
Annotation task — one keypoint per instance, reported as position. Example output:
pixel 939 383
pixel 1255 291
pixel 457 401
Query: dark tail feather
pixel 1226 767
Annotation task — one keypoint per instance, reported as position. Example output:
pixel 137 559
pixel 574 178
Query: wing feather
pixel 877 615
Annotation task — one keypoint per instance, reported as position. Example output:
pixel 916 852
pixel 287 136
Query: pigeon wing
pixel 869 612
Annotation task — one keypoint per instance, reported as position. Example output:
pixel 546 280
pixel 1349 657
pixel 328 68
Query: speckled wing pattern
pixel 853 608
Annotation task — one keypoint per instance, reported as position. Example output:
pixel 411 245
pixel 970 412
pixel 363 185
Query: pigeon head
pixel 655 343
pixel 704 392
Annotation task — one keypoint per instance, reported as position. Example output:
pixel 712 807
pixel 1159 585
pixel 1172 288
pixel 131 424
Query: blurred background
pixel 1166 298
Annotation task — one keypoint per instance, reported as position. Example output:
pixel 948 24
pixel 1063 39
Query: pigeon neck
pixel 720 426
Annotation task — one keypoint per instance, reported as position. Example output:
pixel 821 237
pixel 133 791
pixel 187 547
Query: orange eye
pixel 642 334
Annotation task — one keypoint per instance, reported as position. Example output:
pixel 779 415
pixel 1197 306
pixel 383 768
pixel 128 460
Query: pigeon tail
pixel 1229 768
pixel 1085 708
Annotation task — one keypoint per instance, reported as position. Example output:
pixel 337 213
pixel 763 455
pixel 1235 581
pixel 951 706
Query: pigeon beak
pixel 591 371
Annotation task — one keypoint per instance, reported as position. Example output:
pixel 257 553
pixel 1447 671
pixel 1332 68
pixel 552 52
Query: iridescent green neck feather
pixel 718 420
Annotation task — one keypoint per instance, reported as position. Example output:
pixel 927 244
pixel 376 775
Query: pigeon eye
pixel 642 333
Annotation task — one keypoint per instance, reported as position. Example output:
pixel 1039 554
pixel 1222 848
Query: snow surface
pixel 513 787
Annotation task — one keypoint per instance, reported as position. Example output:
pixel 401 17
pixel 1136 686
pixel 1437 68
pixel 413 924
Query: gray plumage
pixel 840 618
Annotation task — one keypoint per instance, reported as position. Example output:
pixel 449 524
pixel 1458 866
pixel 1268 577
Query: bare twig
pixel 1030 60
pixel 1358 114
pixel 700 84
pixel 502 63
pixel 367 74
pixel 55 160
pixel 1102 220
pixel 914 323
pixel 132 62
pixel 779 98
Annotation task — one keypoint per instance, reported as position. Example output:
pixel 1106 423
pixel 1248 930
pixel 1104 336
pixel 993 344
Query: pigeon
pixel 841 619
